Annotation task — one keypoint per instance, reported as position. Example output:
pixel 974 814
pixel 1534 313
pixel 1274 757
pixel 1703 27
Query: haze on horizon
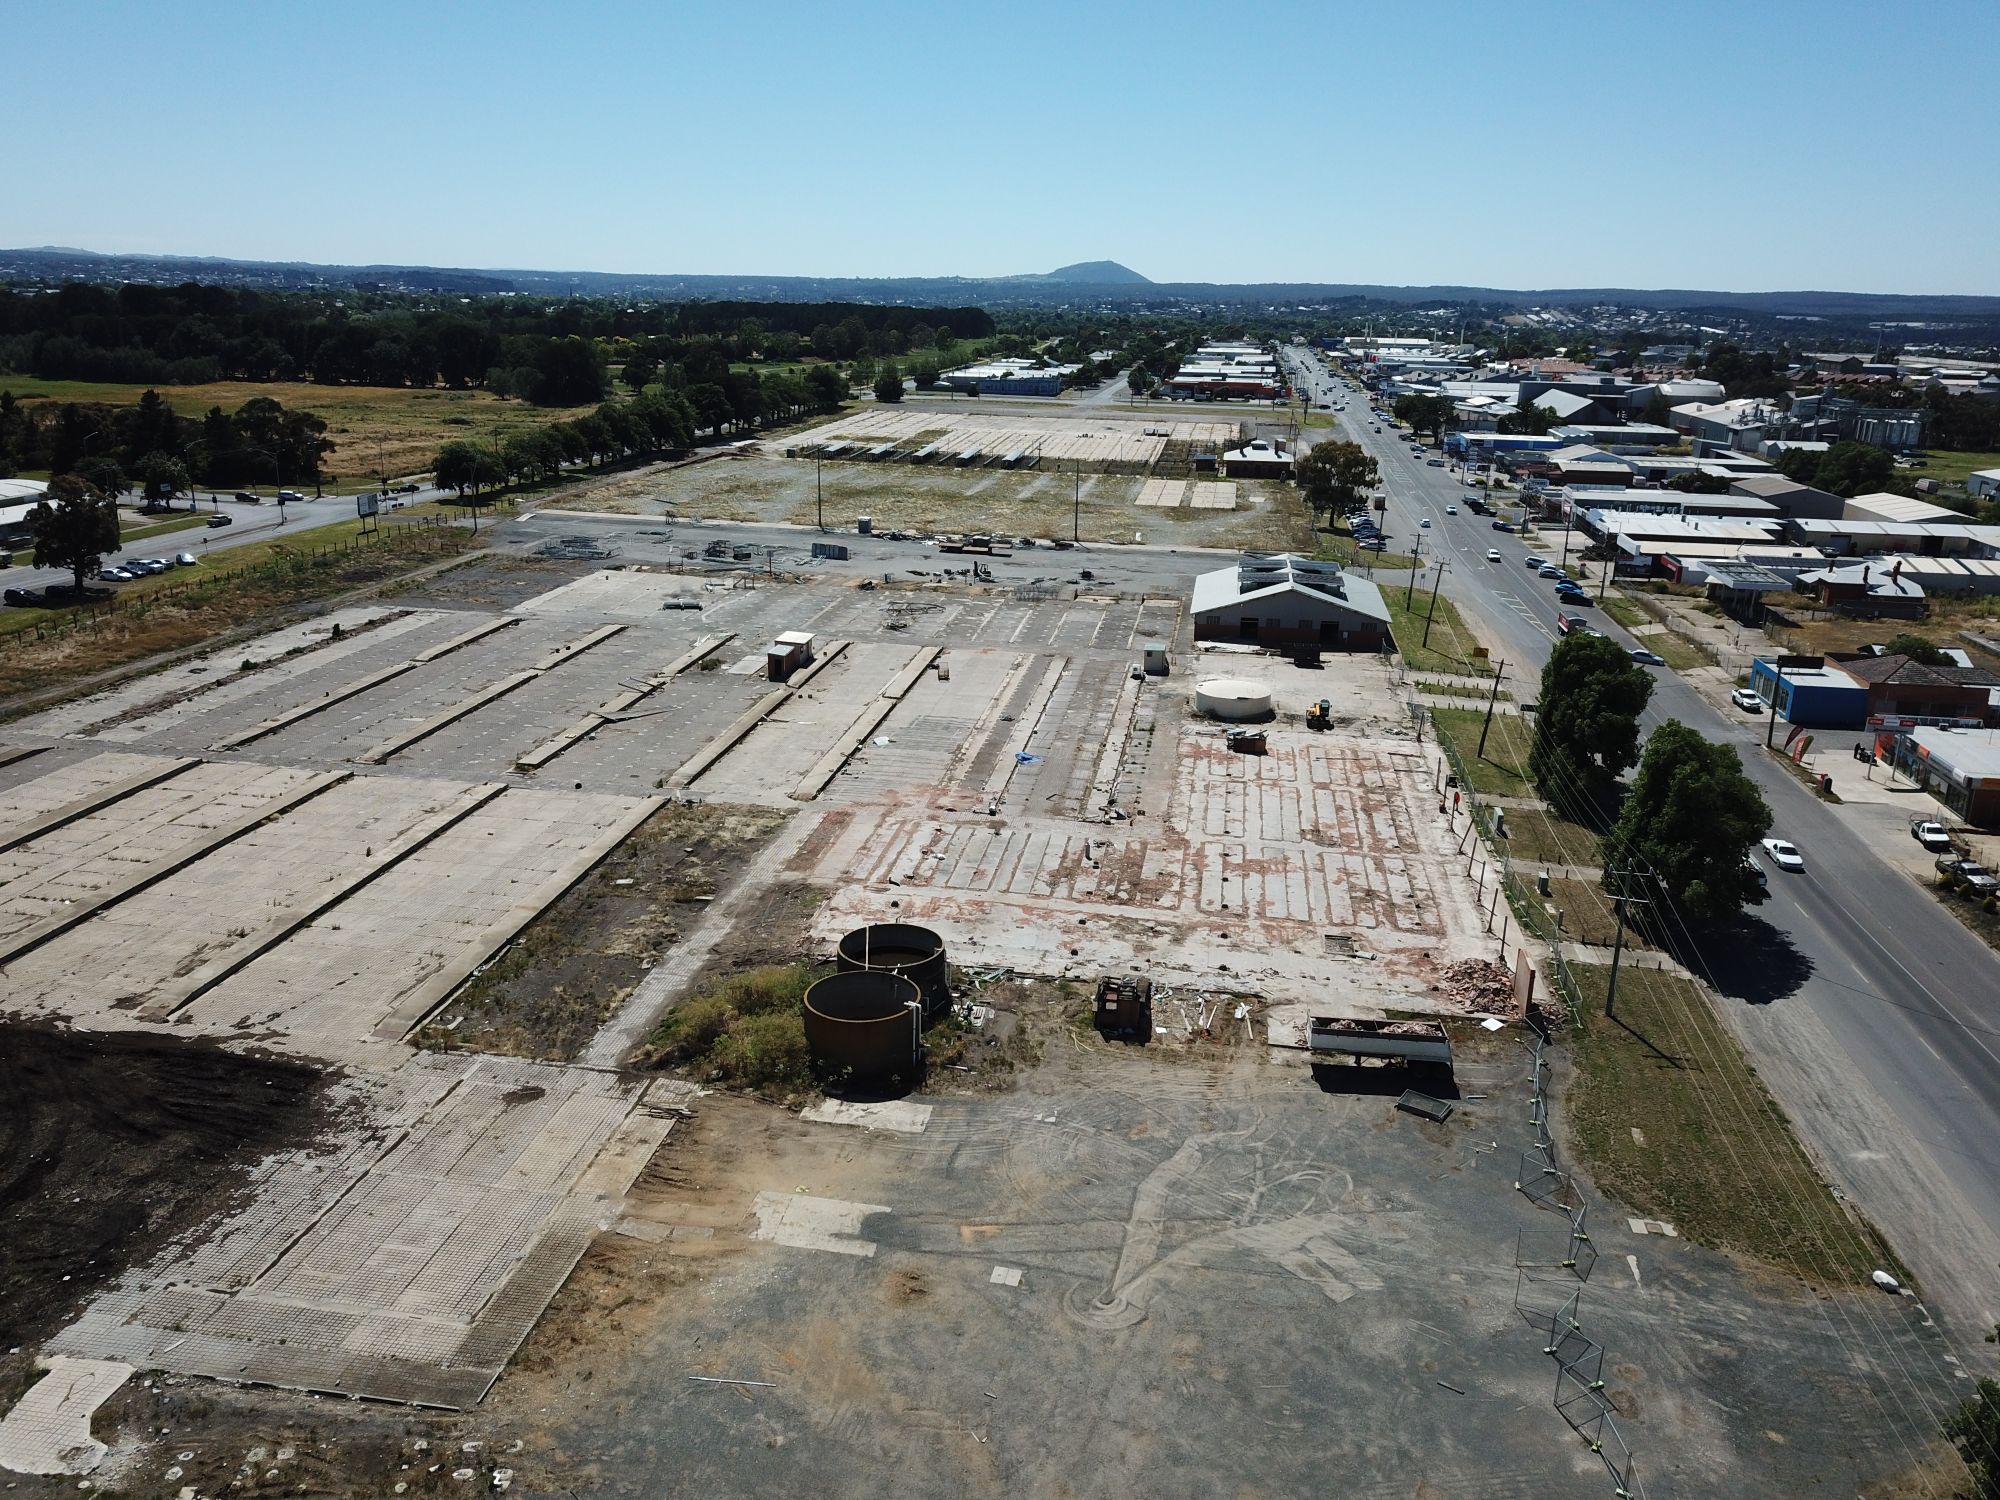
pixel 1832 147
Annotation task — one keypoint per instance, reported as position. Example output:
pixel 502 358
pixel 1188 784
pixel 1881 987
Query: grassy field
pixel 1676 1125
pixel 1452 647
pixel 1502 771
pixel 45 649
pixel 375 430
pixel 1625 612
pixel 1952 468
pixel 1680 655
pixel 1946 618
pixel 1465 690
pixel 1336 546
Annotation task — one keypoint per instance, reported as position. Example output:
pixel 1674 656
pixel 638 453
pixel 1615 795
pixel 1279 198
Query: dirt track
pixel 111 1144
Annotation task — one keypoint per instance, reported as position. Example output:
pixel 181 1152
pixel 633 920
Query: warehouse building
pixel 1008 377
pixel 1283 600
pixel 1259 459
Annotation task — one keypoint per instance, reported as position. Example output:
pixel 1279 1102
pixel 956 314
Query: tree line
pixel 650 424
pixel 550 353
pixel 147 444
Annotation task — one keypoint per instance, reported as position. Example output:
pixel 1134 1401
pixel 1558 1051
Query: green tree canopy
pixel 1974 1429
pixel 888 382
pixel 1530 421
pixel 74 528
pixel 1849 469
pixel 1919 648
pixel 1424 413
pixel 1587 727
pixel 1336 476
pixel 1692 818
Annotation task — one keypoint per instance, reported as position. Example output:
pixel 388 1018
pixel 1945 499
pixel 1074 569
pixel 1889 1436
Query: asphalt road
pixel 1868 1010
pixel 248 523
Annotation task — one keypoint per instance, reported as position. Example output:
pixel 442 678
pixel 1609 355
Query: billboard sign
pixel 367 505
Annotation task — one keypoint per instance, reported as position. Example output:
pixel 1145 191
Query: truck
pixel 1931 834
pixel 1966 876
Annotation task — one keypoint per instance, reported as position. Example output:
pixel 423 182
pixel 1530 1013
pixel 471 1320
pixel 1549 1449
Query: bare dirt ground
pixel 547 993
pixel 111 1144
pixel 493 581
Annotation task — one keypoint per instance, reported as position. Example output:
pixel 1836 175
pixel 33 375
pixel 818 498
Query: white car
pixel 1493 554
pixel 1451 510
pixel 1747 700
pixel 1784 855
pixel 1647 658
pixel 1425 524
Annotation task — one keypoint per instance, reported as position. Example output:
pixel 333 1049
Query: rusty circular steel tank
pixel 914 952
pixel 859 1026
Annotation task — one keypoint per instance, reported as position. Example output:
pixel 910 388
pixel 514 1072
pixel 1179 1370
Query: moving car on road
pixel 219 519
pixel 1784 854
pixel 1647 658
pixel 1493 554
pixel 1747 700
pixel 1451 510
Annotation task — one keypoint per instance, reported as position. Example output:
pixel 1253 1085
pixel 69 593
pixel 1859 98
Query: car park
pixel 1747 700
pixel 1931 834
pixel 1493 554
pixel 1784 854
pixel 218 520
pixel 1647 658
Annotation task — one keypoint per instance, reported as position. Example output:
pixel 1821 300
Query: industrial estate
pixel 1105 890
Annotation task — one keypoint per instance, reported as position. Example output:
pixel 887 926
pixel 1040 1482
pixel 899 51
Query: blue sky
pixel 1740 146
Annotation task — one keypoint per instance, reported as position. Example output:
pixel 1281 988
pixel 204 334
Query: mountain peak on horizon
pixel 1095 273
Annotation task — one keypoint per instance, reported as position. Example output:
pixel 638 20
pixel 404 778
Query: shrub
pixel 693 1027
pixel 765 1052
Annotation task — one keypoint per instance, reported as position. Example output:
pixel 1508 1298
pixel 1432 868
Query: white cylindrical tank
pixel 1232 698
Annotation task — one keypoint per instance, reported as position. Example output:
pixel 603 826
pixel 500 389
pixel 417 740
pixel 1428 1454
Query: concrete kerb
pixel 491 693
pixel 151 875
pixel 83 807
pixel 605 712
pixel 193 986
pixel 852 738
pixel 723 743
pixel 418 1004
pixel 12 753
pixel 292 716
pixel 818 664
pixel 1024 730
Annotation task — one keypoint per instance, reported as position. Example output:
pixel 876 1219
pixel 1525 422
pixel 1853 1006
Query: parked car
pixel 408 489
pixel 1503 525
pixel 116 575
pixel 1493 554
pixel 1747 700
pixel 1967 875
pixel 1435 463
pixel 218 519
pixel 1550 570
pixel 1647 658
pixel 152 565
pixel 1784 854
pixel 1930 834
pixel 186 560
pixel 290 497
pixel 25 598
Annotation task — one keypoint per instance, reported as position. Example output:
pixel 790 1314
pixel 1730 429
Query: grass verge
pixel 1502 770
pixel 1625 612
pixel 1678 654
pixel 1452 647
pixel 1463 690
pixel 1538 837
pixel 162 528
pixel 1676 1125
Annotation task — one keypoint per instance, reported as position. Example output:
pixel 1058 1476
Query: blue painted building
pixel 1810 693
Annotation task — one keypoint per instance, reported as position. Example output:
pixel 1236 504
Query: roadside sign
pixel 367 505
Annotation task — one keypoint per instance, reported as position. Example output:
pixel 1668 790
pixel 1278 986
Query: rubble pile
pixel 1476 984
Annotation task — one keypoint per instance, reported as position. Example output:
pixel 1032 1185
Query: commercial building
pixel 1901 688
pixel 1258 459
pixel 18 498
pixel 1983 484
pixel 1809 693
pixel 1789 496
pixel 1279 599
pixel 1959 767
pixel 1008 377
pixel 1615 438
pixel 1221 372
pixel 1872 589
pixel 1887 507
pixel 1925 538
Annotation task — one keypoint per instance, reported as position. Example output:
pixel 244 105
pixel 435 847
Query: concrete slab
pixel 904 1116
pixel 808 1223
pixel 48 1430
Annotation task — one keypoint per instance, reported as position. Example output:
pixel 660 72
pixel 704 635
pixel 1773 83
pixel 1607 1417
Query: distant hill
pixel 1092 273
pixel 1097 283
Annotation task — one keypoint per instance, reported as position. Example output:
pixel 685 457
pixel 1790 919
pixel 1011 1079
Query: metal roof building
pixel 1281 599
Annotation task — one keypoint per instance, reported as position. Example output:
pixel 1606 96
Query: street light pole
pixel 1076 503
pixel 819 493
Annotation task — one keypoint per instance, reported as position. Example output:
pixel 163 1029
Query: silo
pixel 914 952
pixel 865 1026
